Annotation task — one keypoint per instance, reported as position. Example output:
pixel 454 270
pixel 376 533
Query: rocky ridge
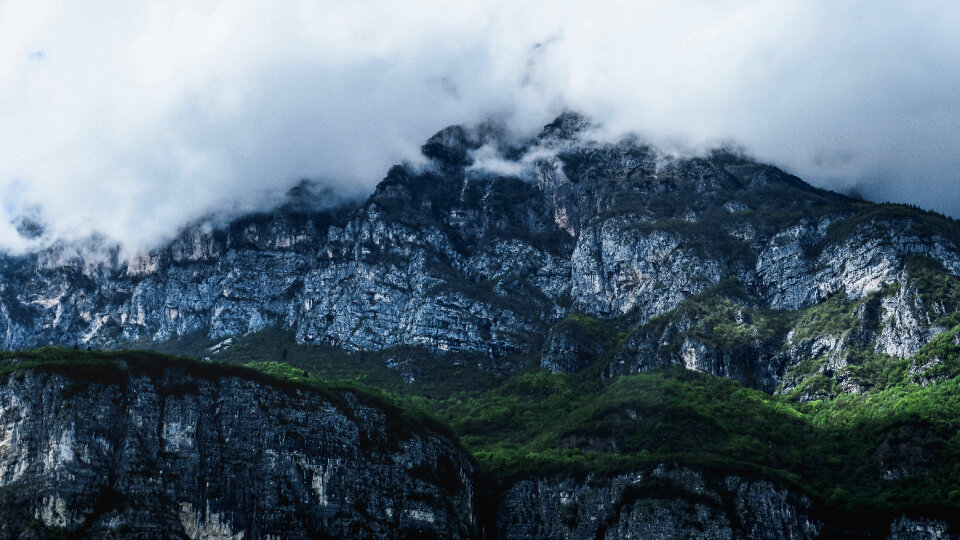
pixel 453 257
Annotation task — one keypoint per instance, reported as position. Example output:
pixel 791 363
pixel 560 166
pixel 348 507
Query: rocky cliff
pixel 484 255
pixel 160 449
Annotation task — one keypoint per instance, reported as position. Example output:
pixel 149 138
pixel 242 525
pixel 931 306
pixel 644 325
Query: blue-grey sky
pixel 132 118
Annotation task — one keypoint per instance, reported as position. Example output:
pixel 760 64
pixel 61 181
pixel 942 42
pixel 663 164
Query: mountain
pixel 573 308
pixel 453 258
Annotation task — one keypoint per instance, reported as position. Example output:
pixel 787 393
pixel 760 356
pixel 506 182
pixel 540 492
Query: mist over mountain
pixel 130 121
pixel 479 270
pixel 585 339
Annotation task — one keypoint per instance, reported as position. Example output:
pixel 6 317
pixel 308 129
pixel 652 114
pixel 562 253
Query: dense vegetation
pixel 895 448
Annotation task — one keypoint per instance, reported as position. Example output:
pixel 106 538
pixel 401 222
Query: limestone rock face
pixel 458 256
pixel 167 454
pixel 616 271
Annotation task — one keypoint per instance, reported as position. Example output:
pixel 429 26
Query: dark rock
pixel 168 454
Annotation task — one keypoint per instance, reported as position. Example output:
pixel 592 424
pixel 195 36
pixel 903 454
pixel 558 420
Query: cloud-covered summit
pixel 132 119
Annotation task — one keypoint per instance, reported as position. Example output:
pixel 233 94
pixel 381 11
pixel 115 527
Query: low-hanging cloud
pixel 132 119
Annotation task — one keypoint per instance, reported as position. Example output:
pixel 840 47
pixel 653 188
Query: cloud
pixel 132 119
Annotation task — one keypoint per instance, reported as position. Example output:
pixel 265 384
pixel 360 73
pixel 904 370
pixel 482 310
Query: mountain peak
pixel 452 146
pixel 566 127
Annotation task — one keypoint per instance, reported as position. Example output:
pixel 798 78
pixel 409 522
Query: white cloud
pixel 132 119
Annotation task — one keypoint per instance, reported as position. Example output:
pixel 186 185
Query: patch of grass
pixel 544 421
pixel 815 386
pixel 862 436
pixel 610 335
pixel 807 366
pixel 723 318
pixel 876 370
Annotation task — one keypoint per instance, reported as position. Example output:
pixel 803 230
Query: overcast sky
pixel 133 118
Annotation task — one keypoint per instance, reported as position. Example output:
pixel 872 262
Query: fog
pixel 130 120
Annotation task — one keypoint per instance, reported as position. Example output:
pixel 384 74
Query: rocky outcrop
pixel 667 502
pixel 871 256
pixel 162 452
pixel 906 528
pixel 617 271
pixel 568 351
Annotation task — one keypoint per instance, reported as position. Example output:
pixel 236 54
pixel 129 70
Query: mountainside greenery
pixel 895 448
pixel 885 450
